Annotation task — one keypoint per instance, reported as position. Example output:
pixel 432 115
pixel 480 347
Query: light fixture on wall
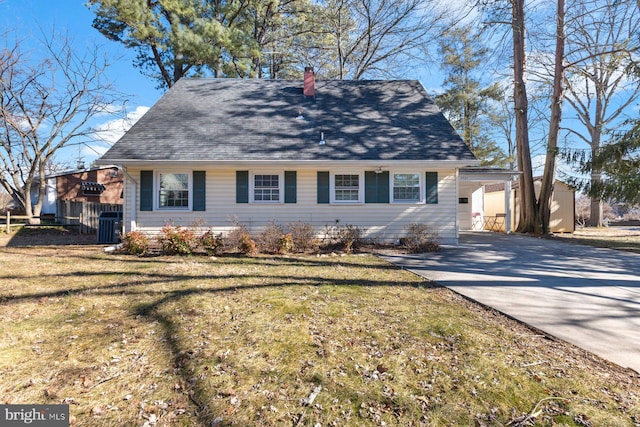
pixel 378 170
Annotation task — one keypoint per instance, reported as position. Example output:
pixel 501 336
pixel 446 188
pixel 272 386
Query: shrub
pixel 210 242
pixel 303 236
pixel 177 240
pixel 247 246
pixel 347 237
pixel 234 236
pixel 420 239
pixel 285 244
pixel 350 236
pixel 135 243
pixel 269 239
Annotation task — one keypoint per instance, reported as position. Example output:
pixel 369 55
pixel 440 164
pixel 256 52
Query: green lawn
pixel 175 341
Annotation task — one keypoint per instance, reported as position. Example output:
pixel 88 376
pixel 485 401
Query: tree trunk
pixel 37 207
pixel 595 217
pixel 529 221
pixel 28 207
pixel 548 178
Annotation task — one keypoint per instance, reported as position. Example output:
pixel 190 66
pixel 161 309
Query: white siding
pixel 465 191
pixel 384 222
pixel 127 199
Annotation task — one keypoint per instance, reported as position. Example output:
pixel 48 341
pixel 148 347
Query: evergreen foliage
pixel 467 103
pixel 619 162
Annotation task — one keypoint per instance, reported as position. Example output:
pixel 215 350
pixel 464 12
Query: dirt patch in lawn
pixel 45 236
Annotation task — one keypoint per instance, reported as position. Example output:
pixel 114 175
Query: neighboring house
pixel 375 154
pixel 6 202
pixel 99 185
pixel 563 204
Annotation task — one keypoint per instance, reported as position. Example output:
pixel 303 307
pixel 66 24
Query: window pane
pixel 347 187
pixel 174 190
pixel 174 181
pixel 406 187
pixel 347 181
pixel 266 188
pixel 343 195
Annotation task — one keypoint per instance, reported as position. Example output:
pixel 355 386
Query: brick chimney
pixel 309 82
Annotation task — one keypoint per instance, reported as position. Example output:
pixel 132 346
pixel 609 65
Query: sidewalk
pixel 587 296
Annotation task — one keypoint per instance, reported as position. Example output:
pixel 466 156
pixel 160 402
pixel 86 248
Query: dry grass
pixel 174 341
pixel 620 238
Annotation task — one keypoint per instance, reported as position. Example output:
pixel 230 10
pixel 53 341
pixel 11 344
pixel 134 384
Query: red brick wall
pixel 69 187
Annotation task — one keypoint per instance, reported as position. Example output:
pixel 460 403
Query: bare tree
pixel 503 122
pixel 359 37
pixel 602 35
pixel 45 105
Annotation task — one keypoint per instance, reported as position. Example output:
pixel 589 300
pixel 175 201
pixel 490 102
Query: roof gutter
pixel 332 162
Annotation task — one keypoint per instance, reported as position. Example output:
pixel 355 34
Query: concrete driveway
pixel 587 296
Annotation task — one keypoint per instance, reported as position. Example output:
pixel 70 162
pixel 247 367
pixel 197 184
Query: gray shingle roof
pixel 232 119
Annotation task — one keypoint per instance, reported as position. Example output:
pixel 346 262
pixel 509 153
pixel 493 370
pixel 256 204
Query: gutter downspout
pixel 134 203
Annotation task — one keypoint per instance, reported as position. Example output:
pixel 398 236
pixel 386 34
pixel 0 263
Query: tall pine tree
pixel 466 102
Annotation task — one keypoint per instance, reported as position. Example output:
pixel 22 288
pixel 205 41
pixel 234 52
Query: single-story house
pixel 378 155
pixel 563 204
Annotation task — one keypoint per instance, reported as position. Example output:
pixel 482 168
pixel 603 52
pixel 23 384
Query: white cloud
pixel 93 151
pixel 109 110
pixel 584 87
pixel 107 133
pixel 461 11
pixel 111 131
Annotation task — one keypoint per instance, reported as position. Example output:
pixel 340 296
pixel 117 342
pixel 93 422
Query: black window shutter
pixel 323 187
pixel 199 190
pixel 242 186
pixel 376 187
pixel 290 187
pixel 432 188
pixel 383 187
pixel 146 190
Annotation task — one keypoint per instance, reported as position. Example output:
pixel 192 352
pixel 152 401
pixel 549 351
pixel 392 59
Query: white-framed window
pixel 173 190
pixel 347 187
pixel 267 187
pixel 406 187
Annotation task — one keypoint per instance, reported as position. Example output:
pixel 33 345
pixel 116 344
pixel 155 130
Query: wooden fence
pixel 7 221
pixel 84 215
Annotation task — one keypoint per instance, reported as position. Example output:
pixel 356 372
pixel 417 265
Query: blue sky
pixel 30 19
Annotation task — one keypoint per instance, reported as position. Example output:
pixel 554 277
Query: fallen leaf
pixel 97 411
